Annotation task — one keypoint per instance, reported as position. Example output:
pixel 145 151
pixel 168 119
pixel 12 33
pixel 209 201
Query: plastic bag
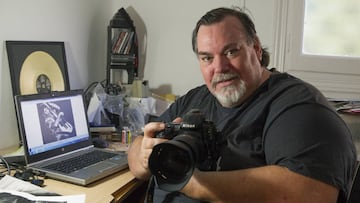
pixel 118 110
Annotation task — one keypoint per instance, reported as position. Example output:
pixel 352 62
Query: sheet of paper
pixel 12 188
pixel 14 196
pixel 93 107
pixel 11 183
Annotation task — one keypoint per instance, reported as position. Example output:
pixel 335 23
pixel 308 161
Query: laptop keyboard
pixel 79 162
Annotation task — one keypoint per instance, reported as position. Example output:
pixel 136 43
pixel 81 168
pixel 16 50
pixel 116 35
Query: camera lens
pixel 173 161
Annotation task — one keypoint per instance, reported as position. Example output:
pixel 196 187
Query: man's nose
pixel 221 64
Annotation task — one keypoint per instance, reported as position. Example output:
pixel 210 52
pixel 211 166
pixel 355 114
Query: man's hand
pixel 148 142
pixel 141 148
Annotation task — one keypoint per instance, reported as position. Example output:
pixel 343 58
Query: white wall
pixel 81 24
pixel 170 64
pixel 164 29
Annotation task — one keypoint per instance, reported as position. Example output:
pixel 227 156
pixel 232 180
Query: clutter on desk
pixel 102 129
pixel 16 190
pixel 16 196
pixel 106 109
pixel 99 142
pixel 346 106
pixel 119 115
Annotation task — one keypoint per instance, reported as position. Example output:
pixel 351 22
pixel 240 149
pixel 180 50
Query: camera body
pixel 202 133
pixel 192 143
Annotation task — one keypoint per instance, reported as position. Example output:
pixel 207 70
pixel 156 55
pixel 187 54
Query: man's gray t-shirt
pixel 286 122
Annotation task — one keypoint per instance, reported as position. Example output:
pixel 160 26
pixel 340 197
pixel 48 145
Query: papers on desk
pixel 351 107
pixel 14 196
pixel 11 183
pixel 12 189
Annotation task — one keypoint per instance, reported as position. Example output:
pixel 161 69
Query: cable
pixel 91 86
pixel 88 92
pixel 23 173
pixel 30 176
pixel 6 164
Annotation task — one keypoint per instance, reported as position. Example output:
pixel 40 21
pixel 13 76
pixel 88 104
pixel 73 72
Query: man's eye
pixel 205 58
pixel 231 53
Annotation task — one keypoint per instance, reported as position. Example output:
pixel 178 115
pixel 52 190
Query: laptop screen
pixel 52 121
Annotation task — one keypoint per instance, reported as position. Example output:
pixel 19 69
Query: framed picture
pixel 37 66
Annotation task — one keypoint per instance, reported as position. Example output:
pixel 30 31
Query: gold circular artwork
pixel 40 73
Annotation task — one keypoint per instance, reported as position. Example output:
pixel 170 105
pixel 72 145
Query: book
pixel 122 44
pixel 116 46
pixel 129 43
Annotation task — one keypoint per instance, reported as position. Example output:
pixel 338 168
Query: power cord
pixel 30 176
pixel 22 173
pixel 6 164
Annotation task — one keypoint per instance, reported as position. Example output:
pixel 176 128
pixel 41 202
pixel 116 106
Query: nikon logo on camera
pixel 188 125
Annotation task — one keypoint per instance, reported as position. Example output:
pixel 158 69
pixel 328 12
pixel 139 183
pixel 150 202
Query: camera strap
pixel 150 191
pixel 149 197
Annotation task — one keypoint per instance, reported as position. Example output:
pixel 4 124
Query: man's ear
pixel 258 48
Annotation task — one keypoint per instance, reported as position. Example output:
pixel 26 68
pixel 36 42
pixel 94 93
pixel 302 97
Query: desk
pixel 113 188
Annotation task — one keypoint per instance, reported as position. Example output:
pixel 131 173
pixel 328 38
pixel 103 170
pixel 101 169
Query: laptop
pixel 55 129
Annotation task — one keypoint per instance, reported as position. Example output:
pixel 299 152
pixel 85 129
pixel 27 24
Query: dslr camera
pixel 192 143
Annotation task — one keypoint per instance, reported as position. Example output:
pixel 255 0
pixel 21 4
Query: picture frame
pixel 37 66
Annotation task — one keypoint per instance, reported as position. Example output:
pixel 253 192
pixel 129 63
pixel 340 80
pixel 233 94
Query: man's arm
pixel 273 184
pixel 306 133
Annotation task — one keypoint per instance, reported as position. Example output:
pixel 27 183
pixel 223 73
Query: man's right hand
pixel 141 148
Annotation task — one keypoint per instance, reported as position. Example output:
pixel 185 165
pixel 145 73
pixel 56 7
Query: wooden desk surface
pixel 112 188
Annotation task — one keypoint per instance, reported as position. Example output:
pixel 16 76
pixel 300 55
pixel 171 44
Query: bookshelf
pixel 122 47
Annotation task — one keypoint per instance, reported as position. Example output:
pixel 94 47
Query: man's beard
pixel 231 95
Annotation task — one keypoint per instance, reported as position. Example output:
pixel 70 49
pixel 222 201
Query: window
pixel 317 41
pixel 329 27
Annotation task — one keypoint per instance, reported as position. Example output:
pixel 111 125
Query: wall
pixel 81 24
pixel 164 30
pixel 166 33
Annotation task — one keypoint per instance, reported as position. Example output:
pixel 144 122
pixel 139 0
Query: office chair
pixel 354 195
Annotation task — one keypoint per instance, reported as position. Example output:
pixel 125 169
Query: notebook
pixel 54 128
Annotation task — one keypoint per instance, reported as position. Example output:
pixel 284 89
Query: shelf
pixel 121 40
pixel 122 50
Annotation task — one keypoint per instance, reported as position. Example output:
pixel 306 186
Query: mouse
pixel 99 143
